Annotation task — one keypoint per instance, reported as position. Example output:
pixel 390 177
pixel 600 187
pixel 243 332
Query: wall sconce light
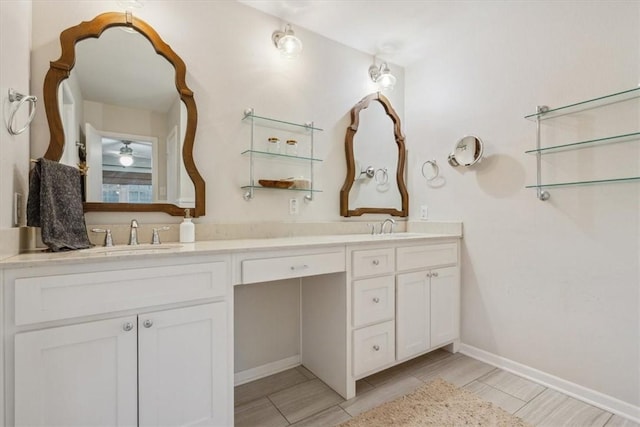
pixel 382 76
pixel 287 43
pixel 126 154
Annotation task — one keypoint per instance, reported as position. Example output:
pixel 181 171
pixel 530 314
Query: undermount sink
pixel 133 249
pixel 396 235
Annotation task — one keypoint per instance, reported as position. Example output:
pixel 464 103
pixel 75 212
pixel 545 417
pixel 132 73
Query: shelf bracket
pixel 309 197
pixel 249 194
pixel 543 195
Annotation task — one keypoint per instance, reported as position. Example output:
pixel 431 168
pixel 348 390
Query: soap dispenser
pixel 187 229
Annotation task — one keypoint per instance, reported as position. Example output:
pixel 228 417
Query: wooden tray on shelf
pixel 280 183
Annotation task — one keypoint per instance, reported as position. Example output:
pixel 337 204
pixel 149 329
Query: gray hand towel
pixel 55 205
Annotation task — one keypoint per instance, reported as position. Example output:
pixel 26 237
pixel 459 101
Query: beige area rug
pixel 437 403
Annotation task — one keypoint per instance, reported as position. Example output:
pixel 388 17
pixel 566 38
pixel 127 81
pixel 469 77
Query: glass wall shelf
pixel 260 187
pixel 281 124
pixel 595 181
pixel 308 129
pixel 585 105
pixel 285 156
pixel 592 142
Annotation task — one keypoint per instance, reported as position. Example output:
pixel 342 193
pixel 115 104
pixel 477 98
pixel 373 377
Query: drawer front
pixel 373 348
pixel 64 296
pixel 267 269
pixel 373 262
pixel 427 256
pixel 373 300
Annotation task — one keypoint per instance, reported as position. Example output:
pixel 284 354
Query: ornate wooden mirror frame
pixel 61 69
pixel 351 165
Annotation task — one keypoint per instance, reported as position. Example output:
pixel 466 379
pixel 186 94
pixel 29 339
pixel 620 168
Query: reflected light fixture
pixel 126 154
pixel 382 76
pixel 287 43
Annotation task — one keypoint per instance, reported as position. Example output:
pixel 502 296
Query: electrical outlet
pixel 17 209
pixel 424 213
pixel 293 206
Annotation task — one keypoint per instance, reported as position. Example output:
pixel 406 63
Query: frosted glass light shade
pixel 287 43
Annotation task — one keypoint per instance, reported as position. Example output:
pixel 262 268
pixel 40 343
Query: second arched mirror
pixel 117 101
pixel 375 154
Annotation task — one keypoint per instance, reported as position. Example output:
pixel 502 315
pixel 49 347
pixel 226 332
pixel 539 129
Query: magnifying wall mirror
pixel 117 101
pixel 375 155
pixel 467 151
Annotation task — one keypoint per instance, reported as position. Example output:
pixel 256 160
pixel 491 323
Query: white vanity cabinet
pixel 427 298
pixel 405 301
pixel 373 312
pixel 122 343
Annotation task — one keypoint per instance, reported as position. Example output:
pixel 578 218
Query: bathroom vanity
pixel 145 336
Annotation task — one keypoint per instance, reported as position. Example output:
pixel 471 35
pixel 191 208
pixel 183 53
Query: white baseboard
pixel 262 371
pixel 587 395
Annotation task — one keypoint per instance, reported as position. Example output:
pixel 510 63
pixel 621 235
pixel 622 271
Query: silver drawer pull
pixel 376 347
pixel 376 262
pixel 299 267
pixel 127 326
pixel 147 323
pixel 376 300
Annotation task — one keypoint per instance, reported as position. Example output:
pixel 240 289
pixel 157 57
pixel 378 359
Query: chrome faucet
pixel 385 222
pixel 133 234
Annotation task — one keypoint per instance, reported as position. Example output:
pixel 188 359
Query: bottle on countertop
pixel 187 228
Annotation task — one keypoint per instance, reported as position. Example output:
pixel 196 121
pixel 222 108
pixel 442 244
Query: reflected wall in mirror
pixel 467 151
pixel 117 99
pixel 375 154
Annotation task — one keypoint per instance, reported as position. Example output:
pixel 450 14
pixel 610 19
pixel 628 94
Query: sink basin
pixel 396 235
pixel 130 250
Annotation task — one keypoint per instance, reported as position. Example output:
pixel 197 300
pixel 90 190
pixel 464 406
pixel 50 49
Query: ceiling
pixel 399 31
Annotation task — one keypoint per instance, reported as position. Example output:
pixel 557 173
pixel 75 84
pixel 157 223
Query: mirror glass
pixel 375 161
pixel 467 151
pixel 117 103
pixel 125 98
pixel 376 157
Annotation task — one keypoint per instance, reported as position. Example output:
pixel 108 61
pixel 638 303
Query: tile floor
pixel 296 397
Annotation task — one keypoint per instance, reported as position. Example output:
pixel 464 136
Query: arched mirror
pixel 467 151
pixel 117 102
pixel 375 154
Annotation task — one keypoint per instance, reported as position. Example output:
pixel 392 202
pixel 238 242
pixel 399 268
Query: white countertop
pixel 210 247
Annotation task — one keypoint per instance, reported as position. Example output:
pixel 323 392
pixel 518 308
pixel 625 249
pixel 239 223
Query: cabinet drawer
pixel 267 269
pixel 373 348
pixel 427 256
pixel 64 296
pixel 373 300
pixel 372 262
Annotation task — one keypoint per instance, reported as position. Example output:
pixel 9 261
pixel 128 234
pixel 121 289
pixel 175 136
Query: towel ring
pixel 436 170
pixel 20 99
pixel 384 176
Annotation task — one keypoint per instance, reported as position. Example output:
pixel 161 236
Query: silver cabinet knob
pixel 376 347
pixel 127 326
pixel 376 262
pixel 428 274
pixel 147 323
pixel 376 300
pixel 434 274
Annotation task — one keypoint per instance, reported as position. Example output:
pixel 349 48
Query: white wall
pixel 232 64
pixel 15 42
pixel 553 285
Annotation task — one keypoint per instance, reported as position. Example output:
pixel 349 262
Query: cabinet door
pixel 77 375
pixel 412 314
pixel 445 305
pixel 184 368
